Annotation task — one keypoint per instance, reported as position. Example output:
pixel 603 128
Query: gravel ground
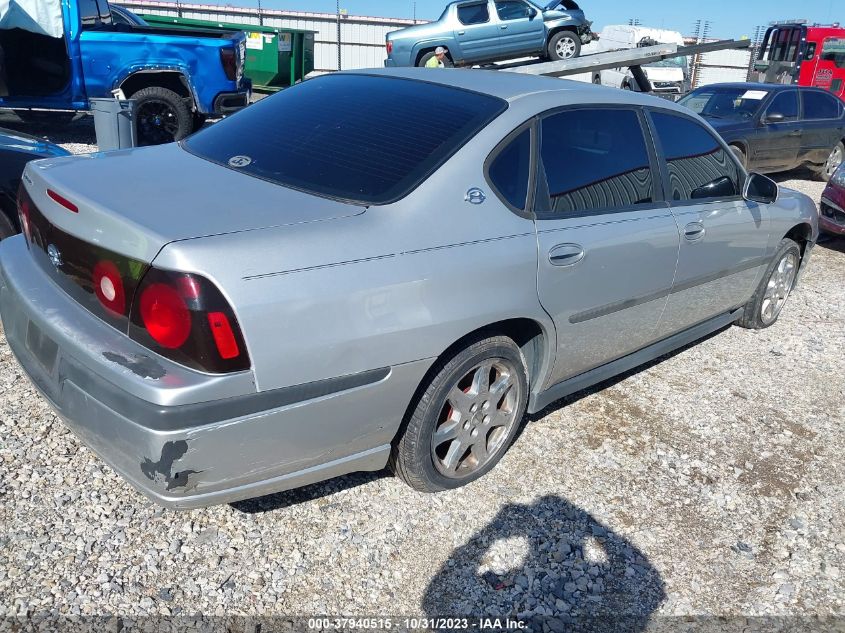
pixel 710 483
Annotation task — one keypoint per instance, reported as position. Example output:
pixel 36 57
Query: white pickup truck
pixel 670 76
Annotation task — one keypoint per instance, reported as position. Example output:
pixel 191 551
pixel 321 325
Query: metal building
pixel 362 38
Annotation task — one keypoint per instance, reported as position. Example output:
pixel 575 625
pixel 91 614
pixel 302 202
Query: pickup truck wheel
pixel 468 414
pixel 162 116
pixel 764 307
pixel 199 121
pixel 740 155
pixel 564 45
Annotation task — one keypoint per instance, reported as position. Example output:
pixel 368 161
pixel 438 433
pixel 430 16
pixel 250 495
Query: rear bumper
pixel 191 454
pixel 229 102
pixel 390 63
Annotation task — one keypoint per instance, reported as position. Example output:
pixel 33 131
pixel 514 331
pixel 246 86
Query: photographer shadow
pixel 575 574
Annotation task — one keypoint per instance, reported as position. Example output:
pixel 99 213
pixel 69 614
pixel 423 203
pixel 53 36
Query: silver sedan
pixel 386 267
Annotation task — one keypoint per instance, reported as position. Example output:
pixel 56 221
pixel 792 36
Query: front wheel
pixel 564 45
pixel 764 307
pixel 161 116
pixel 465 419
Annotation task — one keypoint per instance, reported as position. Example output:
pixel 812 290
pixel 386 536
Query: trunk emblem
pixel 54 255
pixel 239 161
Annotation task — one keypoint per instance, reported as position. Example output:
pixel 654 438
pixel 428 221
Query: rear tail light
pixel 230 63
pixel 184 317
pixel 389 46
pixel 24 212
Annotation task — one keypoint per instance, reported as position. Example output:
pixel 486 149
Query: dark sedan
pixel 773 127
pixel 16 150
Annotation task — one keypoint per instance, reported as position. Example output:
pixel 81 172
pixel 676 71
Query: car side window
pixel 820 105
pixel 469 14
pixel 699 167
pixel 509 170
pixel 89 13
pixel 593 159
pixel 511 10
pixel 785 103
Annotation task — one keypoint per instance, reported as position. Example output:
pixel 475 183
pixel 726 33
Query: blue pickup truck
pixel 481 31
pixel 56 54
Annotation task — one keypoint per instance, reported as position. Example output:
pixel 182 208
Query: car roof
pixel 512 86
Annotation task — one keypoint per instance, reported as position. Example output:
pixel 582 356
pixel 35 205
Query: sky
pixel 730 18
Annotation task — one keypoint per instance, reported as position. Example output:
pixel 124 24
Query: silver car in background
pixel 387 267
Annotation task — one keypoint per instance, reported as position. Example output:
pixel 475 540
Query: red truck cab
pixel 797 53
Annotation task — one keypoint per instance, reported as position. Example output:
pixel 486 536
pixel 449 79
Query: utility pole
pixel 415 13
pixel 260 15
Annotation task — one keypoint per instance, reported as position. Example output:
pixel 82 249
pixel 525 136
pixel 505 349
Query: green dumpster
pixel 275 57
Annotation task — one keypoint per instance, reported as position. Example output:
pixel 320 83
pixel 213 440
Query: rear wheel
pixel 162 116
pixel 837 154
pixel 425 58
pixel 564 45
pixel 465 419
pixel 764 308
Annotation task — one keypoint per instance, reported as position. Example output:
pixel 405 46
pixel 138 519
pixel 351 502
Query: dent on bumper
pixel 197 454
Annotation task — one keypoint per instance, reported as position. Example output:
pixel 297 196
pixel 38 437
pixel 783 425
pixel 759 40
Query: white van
pixel 669 76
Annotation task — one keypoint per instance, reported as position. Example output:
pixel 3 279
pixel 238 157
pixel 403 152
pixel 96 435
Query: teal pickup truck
pixel 482 31
pixel 56 55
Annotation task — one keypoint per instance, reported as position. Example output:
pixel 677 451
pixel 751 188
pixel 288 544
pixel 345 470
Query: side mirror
pixel 532 12
pixel 760 189
pixel 774 117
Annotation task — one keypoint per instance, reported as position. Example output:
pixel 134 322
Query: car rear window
pixel 357 138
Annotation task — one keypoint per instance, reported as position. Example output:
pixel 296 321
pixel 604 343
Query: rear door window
pixel 89 13
pixel 357 138
pixel 820 105
pixel 699 167
pixel 594 160
pixel 473 13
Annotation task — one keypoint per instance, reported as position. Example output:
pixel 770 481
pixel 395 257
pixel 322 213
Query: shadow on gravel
pixel 53 128
pixel 577 572
pixel 832 242
pixel 281 500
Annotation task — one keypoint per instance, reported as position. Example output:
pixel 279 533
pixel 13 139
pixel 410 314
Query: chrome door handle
pixel 566 255
pixel 462 32
pixel 504 26
pixel 694 231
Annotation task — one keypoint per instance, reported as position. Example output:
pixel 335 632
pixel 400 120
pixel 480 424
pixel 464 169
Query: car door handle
pixel 694 231
pixel 462 32
pixel 795 133
pixel 566 255
pixel 503 27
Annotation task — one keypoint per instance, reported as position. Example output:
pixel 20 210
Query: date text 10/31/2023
pixel 415 623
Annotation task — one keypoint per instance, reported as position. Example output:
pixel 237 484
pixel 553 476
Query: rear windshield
pixel 356 138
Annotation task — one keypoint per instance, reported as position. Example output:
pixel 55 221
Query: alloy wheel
pixel 834 161
pixel 779 286
pixel 157 122
pixel 565 48
pixel 476 419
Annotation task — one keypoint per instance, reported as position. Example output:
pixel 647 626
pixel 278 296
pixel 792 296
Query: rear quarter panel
pixel 396 284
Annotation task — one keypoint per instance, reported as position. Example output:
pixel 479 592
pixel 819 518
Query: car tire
pixel 424 60
pixel 161 116
pixel 740 155
pixel 837 154
pixel 764 307
pixel 564 45
pixel 456 431
pixel 596 80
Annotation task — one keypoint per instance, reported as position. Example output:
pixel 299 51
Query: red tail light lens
pixel 230 63
pixel 389 46
pixel 108 286
pixel 184 317
pixel 165 315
